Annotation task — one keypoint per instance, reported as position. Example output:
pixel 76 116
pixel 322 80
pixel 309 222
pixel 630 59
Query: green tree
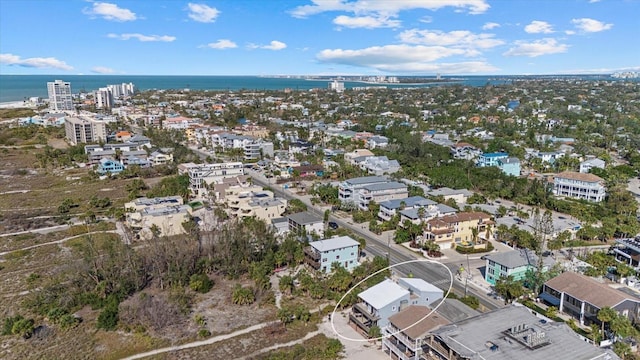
pixel 23 327
pixel 623 350
pixel 286 284
pixel 374 332
pixel 509 288
pixel 285 315
pixel 552 312
pixel 606 315
pixel 200 283
pixel 242 295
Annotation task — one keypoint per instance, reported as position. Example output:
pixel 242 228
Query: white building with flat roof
pixel 203 175
pixel 60 95
pixel 84 130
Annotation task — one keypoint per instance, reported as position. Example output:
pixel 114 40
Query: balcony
pixel 398 349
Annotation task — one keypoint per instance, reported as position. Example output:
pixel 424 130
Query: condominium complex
pixel 203 175
pixel 580 186
pixel 104 98
pixel 60 95
pixel 347 188
pixel 83 130
pixel 163 216
pixel 457 229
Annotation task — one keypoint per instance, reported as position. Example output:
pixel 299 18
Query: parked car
pixel 333 225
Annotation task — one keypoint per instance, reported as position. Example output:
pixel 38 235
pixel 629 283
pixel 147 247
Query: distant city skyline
pixel 319 37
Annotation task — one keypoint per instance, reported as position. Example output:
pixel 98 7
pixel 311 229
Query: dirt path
pixel 57 241
pixel 199 343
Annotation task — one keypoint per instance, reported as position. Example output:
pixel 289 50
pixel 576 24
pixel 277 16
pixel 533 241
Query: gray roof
pixel 279 220
pixel 306 217
pixel 446 209
pixel 383 294
pixel 366 180
pixel 385 186
pixel 514 258
pixel 420 284
pixel 408 202
pixel 454 310
pixel 511 160
pixel 334 243
pixel 487 336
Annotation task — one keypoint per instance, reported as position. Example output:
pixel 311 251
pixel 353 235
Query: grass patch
pixel 16 255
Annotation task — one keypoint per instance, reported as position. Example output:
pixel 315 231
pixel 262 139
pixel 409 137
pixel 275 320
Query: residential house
pixel 510 166
pixel 306 223
pixel 512 332
pixel 582 297
pixel 257 203
pixel 389 208
pixel 109 166
pixel 377 142
pixel 465 151
pixel 96 156
pixel 309 170
pixel 548 157
pixel 417 216
pixel 358 153
pixel 387 298
pixel 348 188
pixel 323 254
pixel 203 175
pixel 628 251
pixel 378 165
pixel 515 263
pixel 406 332
pixel 157 202
pixel 379 193
pixel 579 186
pixel 491 159
pixel 587 165
pixel 460 196
pixel 160 158
pixel 280 225
pixel 458 229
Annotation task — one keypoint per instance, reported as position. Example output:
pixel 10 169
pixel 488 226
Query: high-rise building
pixel 80 130
pixel 60 95
pixel 122 90
pixel 104 98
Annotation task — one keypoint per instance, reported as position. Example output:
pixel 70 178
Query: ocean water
pixel 21 87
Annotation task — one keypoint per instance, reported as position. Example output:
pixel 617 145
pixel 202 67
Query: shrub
pixel 471 301
pixel 203 333
pixel 472 250
pixel 200 283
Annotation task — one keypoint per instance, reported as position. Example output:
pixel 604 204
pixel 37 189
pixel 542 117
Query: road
pixel 378 246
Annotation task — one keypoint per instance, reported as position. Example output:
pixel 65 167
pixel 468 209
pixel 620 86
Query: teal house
pixel 515 263
pixel 109 166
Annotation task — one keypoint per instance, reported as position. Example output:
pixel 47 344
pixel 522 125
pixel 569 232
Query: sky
pixel 319 37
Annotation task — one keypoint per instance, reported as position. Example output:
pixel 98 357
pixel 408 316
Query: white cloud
pixel 538 27
pixel 426 19
pixel 593 1
pixel 569 32
pixel 536 48
pixel 202 13
pixel 386 7
pixel 490 25
pixel 367 22
pixel 460 39
pixel 102 70
pixel 110 11
pixel 36 62
pixel 590 25
pixel 143 38
pixel 222 44
pixel 404 59
pixel 273 45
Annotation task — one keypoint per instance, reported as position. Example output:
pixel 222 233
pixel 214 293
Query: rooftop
pixel 304 218
pixel 571 175
pixel 587 289
pixel 383 294
pixel 366 180
pixel 514 258
pixel 412 322
pixel 408 202
pixel 385 186
pixel 504 334
pixel 334 243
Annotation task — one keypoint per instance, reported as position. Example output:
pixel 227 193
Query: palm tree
pixel 605 315
pixel 488 233
pixel 474 235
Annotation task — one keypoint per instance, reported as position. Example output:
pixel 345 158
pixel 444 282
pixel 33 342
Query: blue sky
pixel 322 37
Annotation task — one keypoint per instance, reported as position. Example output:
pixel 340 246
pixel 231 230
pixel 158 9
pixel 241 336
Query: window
pixel 393 308
pixel 337 256
pixel 324 260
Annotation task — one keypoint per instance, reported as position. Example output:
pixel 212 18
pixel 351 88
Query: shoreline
pixel 17 104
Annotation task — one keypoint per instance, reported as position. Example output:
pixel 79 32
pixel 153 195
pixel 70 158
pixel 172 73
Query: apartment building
pixel 579 186
pixel 104 98
pixel 348 188
pixel 83 130
pixel 380 192
pixel 322 255
pixel 203 175
pixel 582 297
pixel 512 332
pixel 404 336
pixel 60 95
pixel 162 215
pixel 457 229
pixel 260 204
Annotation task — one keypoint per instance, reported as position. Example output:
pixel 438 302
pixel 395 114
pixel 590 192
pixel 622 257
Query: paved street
pixel 380 245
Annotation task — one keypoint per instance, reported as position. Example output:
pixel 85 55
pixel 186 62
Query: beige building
pixel 260 204
pixel 457 229
pixel 203 175
pixel 84 130
pixel 165 214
